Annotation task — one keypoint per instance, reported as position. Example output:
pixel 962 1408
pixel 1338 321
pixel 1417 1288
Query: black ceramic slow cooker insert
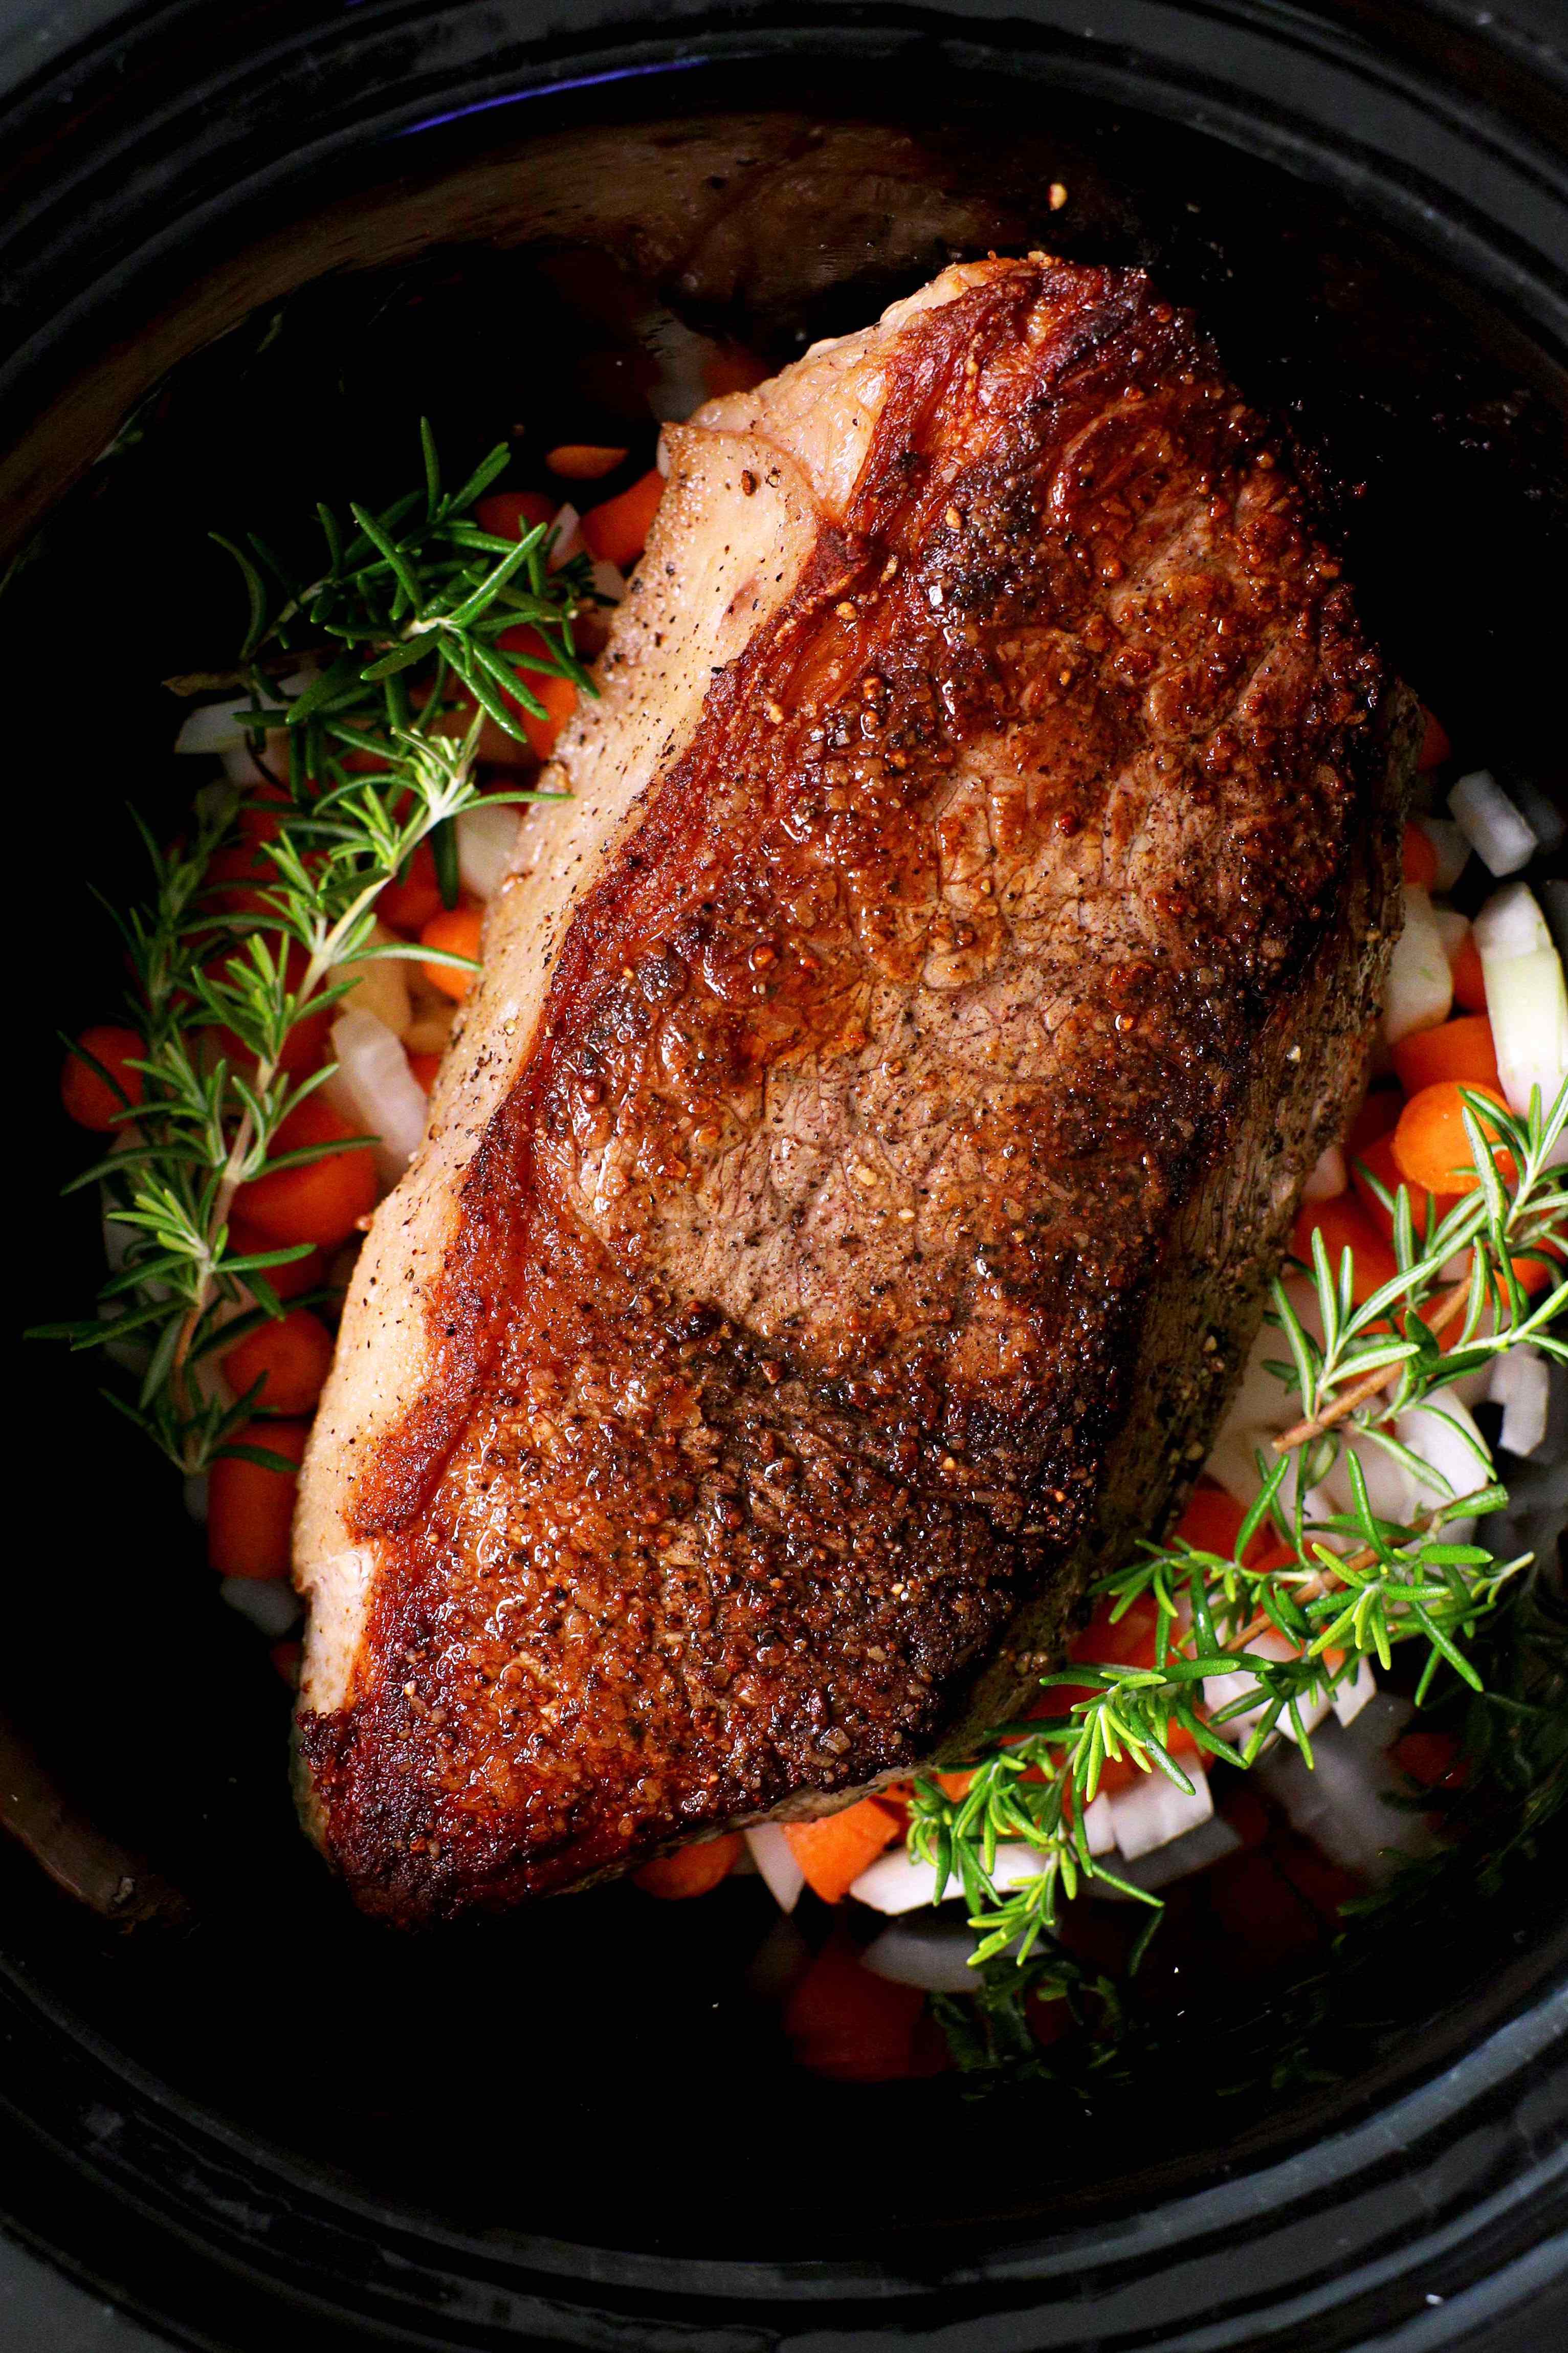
pixel 248 248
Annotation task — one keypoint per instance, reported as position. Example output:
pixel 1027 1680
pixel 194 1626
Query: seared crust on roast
pixel 859 1171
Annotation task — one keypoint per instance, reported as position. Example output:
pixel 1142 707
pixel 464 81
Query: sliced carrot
pixel 1455 1049
pixel 1379 1159
pixel 1343 1224
pixel 1430 1145
pixel 834 1851
pixel 289 1354
pixel 690 1870
pixel 1469 976
pixel 1379 1115
pixel 319 1201
pixel 506 515
pixel 846 2023
pixel 250 1510
pixel 425 1067
pixel 457 930
pixel 1420 856
pixel 584 462
pixel 558 694
pixel 617 532
pixel 295 1275
pixel 91 1100
pixel 1435 746
pixel 409 899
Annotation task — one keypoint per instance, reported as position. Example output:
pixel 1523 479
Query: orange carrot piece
pixel 87 1098
pixel 1379 1159
pixel 408 900
pixel 1379 1115
pixel 1435 746
pixel 617 532
pixel 1469 976
pixel 584 462
pixel 250 1511
pixel 846 2023
pixel 425 1067
pixel 690 1870
pixel 295 1275
pixel 1455 1049
pixel 319 1201
pixel 1343 1223
pixel 834 1851
pixel 1430 1145
pixel 506 515
pixel 1420 856
pixel 290 1355
pixel 456 930
pixel 558 694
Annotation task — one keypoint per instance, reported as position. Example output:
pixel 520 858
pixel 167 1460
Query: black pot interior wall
pixel 565 2071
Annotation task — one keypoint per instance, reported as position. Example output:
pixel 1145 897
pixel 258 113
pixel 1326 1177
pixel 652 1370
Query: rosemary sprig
pixel 1356 1585
pixel 399 642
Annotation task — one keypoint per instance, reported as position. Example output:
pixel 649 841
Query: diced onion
pixel 774 1858
pixel 932 1954
pixel 1452 849
pixel 1098 1825
pixel 1521 1385
pixel 1330 1177
pixel 1453 929
pixel 213 727
pixel 373 1087
pixel 567 526
pixel 609 583
pixel 1353 1696
pixel 897 1883
pixel 1495 829
pixel 1338 1800
pixel 487 844
pixel 1420 985
pixel 1445 1436
pixel 1153 1811
pixel 1526 1001
pixel 1195 1849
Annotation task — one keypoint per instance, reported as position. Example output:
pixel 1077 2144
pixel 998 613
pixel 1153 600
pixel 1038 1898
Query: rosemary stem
pixel 1446 1312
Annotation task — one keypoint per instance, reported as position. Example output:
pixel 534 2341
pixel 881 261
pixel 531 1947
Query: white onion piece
pixel 934 1955
pixel 1330 1175
pixel 1526 1001
pixel 269 1602
pixel 1452 849
pixel 1521 1385
pixel 567 526
pixel 1154 1811
pixel 1336 1801
pixel 195 1496
pixel 896 1882
pixel 1420 985
pixel 1453 929
pixel 213 727
pixel 487 844
pixel 1497 832
pixel 1098 1825
pixel 373 1087
pixel 382 985
pixel 608 580
pixel 1353 1696
pixel 239 765
pixel 1223 1691
pixel 1444 1435
pixel 1195 1849
pixel 774 1858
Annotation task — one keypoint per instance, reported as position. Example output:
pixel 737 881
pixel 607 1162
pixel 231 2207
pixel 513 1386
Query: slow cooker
pixel 243 249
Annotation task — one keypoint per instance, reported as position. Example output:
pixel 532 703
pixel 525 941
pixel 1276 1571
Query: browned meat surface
pixel 857 1178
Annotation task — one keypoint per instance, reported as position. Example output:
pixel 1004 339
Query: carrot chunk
pixel 617 532
pixel 1455 1049
pixel 1420 856
pixel 1435 746
pixel 558 694
pixel 425 1067
pixel 91 1100
pixel 295 1275
pixel 584 462
pixel 409 899
pixel 1343 1224
pixel 1430 1145
pixel 848 2024
pixel 456 930
pixel 506 515
pixel 290 1355
pixel 1378 1158
pixel 834 1851
pixel 1379 1115
pixel 250 1510
pixel 319 1201
pixel 1469 976
pixel 690 1870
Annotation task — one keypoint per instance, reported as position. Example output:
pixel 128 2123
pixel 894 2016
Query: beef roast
pixel 857 1174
